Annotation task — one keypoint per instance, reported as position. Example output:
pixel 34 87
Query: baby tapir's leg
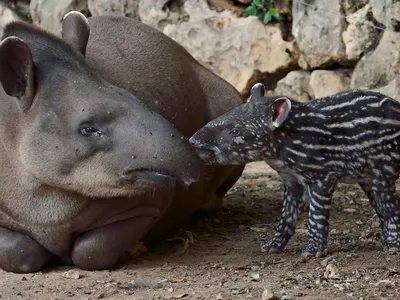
pixel 381 196
pixel 20 253
pixel 318 217
pixel 295 198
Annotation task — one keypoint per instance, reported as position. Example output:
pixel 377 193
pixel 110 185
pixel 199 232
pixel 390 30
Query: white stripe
pixel 320 197
pixel 353 123
pixel 311 166
pixel 296 152
pixel 311 114
pixel 381 156
pixel 314 129
pixel 361 146
pixel 379 103
pixel 395 155
pixel 352 137
pixel 340 95
pixel 349 103
pixel 319 217
pixel 335 163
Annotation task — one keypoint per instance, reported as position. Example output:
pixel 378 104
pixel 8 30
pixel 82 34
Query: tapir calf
pixel 88 169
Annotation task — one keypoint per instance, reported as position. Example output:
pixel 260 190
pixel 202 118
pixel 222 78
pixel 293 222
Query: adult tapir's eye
pixel 90 130
pixel 235 132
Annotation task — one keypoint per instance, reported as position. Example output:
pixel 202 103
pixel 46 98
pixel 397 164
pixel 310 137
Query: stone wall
pixel 323 47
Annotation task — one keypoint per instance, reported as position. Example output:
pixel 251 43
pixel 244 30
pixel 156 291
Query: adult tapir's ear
pixel 257 91
pixel 75 31
pixel 280 110
pixel 17 70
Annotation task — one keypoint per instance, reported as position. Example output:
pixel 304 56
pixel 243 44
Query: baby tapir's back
pixel 353 134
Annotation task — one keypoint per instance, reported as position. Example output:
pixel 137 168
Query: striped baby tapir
pixel 350 137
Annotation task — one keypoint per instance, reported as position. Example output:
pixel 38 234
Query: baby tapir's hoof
pixel 274 246
pixel 317 254
pixel 314 250
pixel 20 253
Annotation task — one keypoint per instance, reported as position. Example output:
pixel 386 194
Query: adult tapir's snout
pixel 155 149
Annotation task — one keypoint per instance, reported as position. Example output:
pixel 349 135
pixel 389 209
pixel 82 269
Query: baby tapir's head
pixel 67 128
pixel 245 133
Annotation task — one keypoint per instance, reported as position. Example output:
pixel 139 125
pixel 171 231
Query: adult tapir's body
pixel 86 169
pixel 166 77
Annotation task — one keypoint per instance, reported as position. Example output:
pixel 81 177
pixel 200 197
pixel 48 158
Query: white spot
pixel 238 140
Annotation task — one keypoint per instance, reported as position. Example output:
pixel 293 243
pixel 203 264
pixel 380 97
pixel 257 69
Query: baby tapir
pixel 86 169
pixel 352 137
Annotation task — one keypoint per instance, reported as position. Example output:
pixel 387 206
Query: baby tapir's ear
pixel 75 31
pixel 17 70
pixel 257 91
pixel 280 110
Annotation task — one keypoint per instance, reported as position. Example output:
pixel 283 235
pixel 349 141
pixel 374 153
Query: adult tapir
pixel 162 74
pixel 88 166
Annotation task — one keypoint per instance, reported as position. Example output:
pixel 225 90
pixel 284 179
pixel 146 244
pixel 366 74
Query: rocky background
pixel 321 48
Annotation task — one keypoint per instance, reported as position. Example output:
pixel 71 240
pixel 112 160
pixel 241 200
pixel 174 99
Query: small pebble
pixel 71 274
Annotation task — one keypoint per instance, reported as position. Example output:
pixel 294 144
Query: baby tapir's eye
pixel 235 132
pixel 90 130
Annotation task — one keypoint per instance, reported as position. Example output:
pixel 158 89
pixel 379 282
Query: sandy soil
pixel 223 259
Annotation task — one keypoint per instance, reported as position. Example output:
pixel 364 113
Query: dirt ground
pixel 223 259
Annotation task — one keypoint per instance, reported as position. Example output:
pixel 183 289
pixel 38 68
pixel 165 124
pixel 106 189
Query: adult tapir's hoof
pixel 102 247
pixel 20 253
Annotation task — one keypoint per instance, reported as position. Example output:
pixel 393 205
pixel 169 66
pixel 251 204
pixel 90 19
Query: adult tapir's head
pixel 72 130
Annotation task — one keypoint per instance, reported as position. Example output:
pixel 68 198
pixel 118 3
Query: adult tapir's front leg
pixel 102 247
pixel 20 253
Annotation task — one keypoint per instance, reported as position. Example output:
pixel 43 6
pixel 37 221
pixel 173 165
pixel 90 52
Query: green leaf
pixel 267 3
pixel 260 13
pixel 273 11
pixel 250 11
pixel 278 16
pixel 267 17
pixel 256 2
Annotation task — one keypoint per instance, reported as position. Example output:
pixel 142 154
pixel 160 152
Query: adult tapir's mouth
pixel 153 177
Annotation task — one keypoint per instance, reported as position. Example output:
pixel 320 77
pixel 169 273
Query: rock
pixel 325 83
pixel 327 260
pixel 379 70
pixel 284 6
pixel 387 12
pixel 268 295
pixel 318 33
pixel 71 274
pixel 159 13
pixel 221 5
pixel 234 48
pixel 6 16
pixel 359 34
pixel 244 1
pixel 351 6
pixel 392 89
pixel 296 85
pixel 127 8
pixel 49 13
pixel 331 272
